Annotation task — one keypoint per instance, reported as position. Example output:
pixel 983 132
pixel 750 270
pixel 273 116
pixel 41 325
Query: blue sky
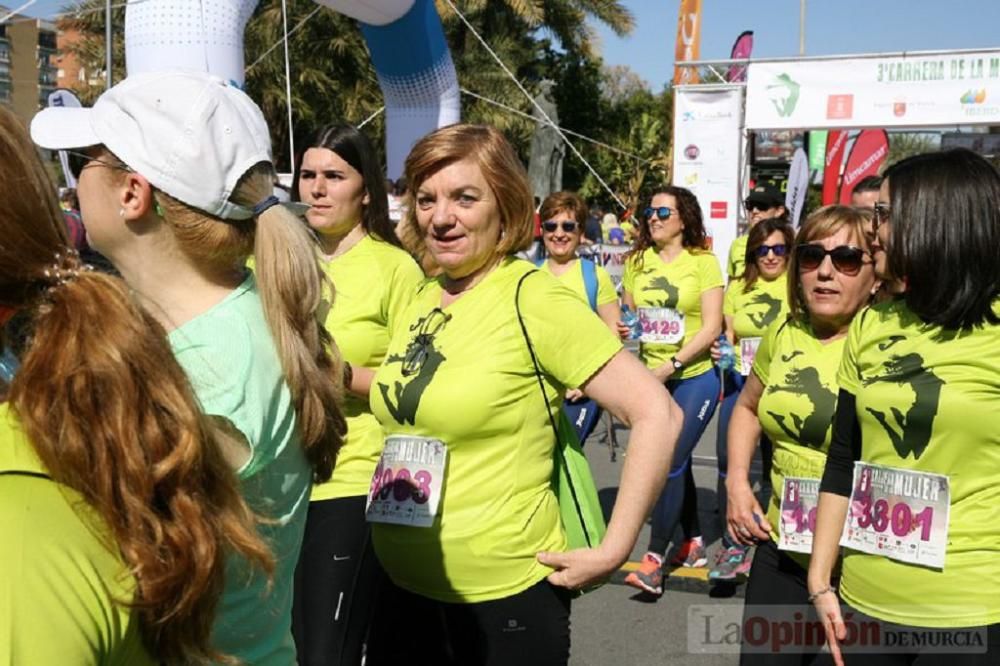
pixel 832 27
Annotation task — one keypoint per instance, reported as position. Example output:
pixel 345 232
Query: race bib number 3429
pixel 406 486
pixel 661 325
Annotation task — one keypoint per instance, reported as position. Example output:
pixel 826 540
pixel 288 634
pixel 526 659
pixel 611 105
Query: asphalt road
pixel 617 625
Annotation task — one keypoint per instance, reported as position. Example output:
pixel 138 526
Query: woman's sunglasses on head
pixel 779 250
pixel 846 259
pixel 569 226
pixel 661 212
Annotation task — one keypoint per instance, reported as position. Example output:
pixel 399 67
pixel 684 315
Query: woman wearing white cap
pixel 175 185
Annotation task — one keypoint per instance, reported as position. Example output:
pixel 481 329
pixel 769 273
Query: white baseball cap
pixel 190 134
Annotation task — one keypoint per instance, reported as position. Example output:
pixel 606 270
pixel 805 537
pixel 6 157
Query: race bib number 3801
pixel 898 513
pixel 661 325
pixel 406 486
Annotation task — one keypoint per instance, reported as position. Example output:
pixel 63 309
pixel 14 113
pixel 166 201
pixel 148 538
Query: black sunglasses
pixel 846 259
pixel 779 250
pixel 662 213
pixel 423 343
pixel 757 205
pixel 569 226
pixel 880 216
pixel 79 161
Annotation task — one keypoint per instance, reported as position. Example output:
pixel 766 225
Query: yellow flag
pixel 688 41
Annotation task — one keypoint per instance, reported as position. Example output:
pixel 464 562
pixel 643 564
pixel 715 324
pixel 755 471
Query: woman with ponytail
pixel 117 508
pixel 175 186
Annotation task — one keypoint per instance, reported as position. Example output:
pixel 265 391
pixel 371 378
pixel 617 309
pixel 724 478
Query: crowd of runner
pixel 300 432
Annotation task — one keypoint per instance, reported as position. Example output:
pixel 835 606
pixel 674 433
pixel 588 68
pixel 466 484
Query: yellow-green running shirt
pixel 755 310
pixel 61 576
pixel 677 285
pixel 373 282
pixel 473 386
pixel 737 257
pixel 927 400
pixel 796 409
pixel 572 277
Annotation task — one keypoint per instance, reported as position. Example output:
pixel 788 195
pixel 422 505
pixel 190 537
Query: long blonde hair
pixel 292 286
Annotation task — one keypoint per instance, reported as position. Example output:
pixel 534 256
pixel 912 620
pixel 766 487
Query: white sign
pixel 893 91
pixel 408 481
pixel 707 157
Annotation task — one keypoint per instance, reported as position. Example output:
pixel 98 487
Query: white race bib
pixel 748 352
pixel 797 522
pixel 406 487
pixel 661 325
pixel 901 514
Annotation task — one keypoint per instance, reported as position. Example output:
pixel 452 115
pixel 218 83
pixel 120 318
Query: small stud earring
pixel 121 212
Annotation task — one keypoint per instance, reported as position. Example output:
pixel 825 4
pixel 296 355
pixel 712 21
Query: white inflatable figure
pixel 414 69
pixel 404 37
pixel 202 35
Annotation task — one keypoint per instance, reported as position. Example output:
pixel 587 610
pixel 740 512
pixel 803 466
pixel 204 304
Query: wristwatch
pixel 677 364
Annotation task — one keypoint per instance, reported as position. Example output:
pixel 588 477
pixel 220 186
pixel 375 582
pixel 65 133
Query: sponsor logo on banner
pixel 784 95
pixel 899 109
pixel 719 210
pixel 691 179
pixel 974 96
pixel 687 116
pixel 840 107
pixel 691 152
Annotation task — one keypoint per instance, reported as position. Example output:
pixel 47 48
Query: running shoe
pixel 649 577
pixel 733 561
pixel 691 554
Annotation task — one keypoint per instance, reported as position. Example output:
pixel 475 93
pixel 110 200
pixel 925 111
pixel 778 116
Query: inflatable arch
pixel 404 37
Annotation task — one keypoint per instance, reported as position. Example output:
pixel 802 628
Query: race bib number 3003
pixel 799 498
pixel 406 486
pixel 898 513
pixel 661 325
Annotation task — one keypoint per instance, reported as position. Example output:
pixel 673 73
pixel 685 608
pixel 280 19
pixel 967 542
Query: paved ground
pixel 615 625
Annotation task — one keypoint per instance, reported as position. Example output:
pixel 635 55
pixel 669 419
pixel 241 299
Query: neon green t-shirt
pixel 61 572
pixel 927 400
pixel 677 285
pixel 796 409
pixel 572 277
pixel 231 360
pixel 373 282
pixel 476 391
pixel 755 310
pixel 737 257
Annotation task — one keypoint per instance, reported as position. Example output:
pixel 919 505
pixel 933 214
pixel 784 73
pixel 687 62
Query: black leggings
pixel 335 584
pixel 778 580
pixel 530 628
pixel 986 653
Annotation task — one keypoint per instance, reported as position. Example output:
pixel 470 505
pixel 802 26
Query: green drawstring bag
pixel 579 505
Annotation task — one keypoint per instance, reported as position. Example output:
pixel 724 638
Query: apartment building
pixel 28 71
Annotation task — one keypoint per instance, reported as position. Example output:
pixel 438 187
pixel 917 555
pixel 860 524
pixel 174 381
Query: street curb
pixel 682 579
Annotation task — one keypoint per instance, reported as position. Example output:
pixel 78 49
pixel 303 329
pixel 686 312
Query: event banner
pixel 798 186
pixel 870 150
pixel 892 91
pixel 688 41
pixel 707 157
pixel 836 144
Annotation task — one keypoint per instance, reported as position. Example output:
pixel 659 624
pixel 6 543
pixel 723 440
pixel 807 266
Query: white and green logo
pixel 784 94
